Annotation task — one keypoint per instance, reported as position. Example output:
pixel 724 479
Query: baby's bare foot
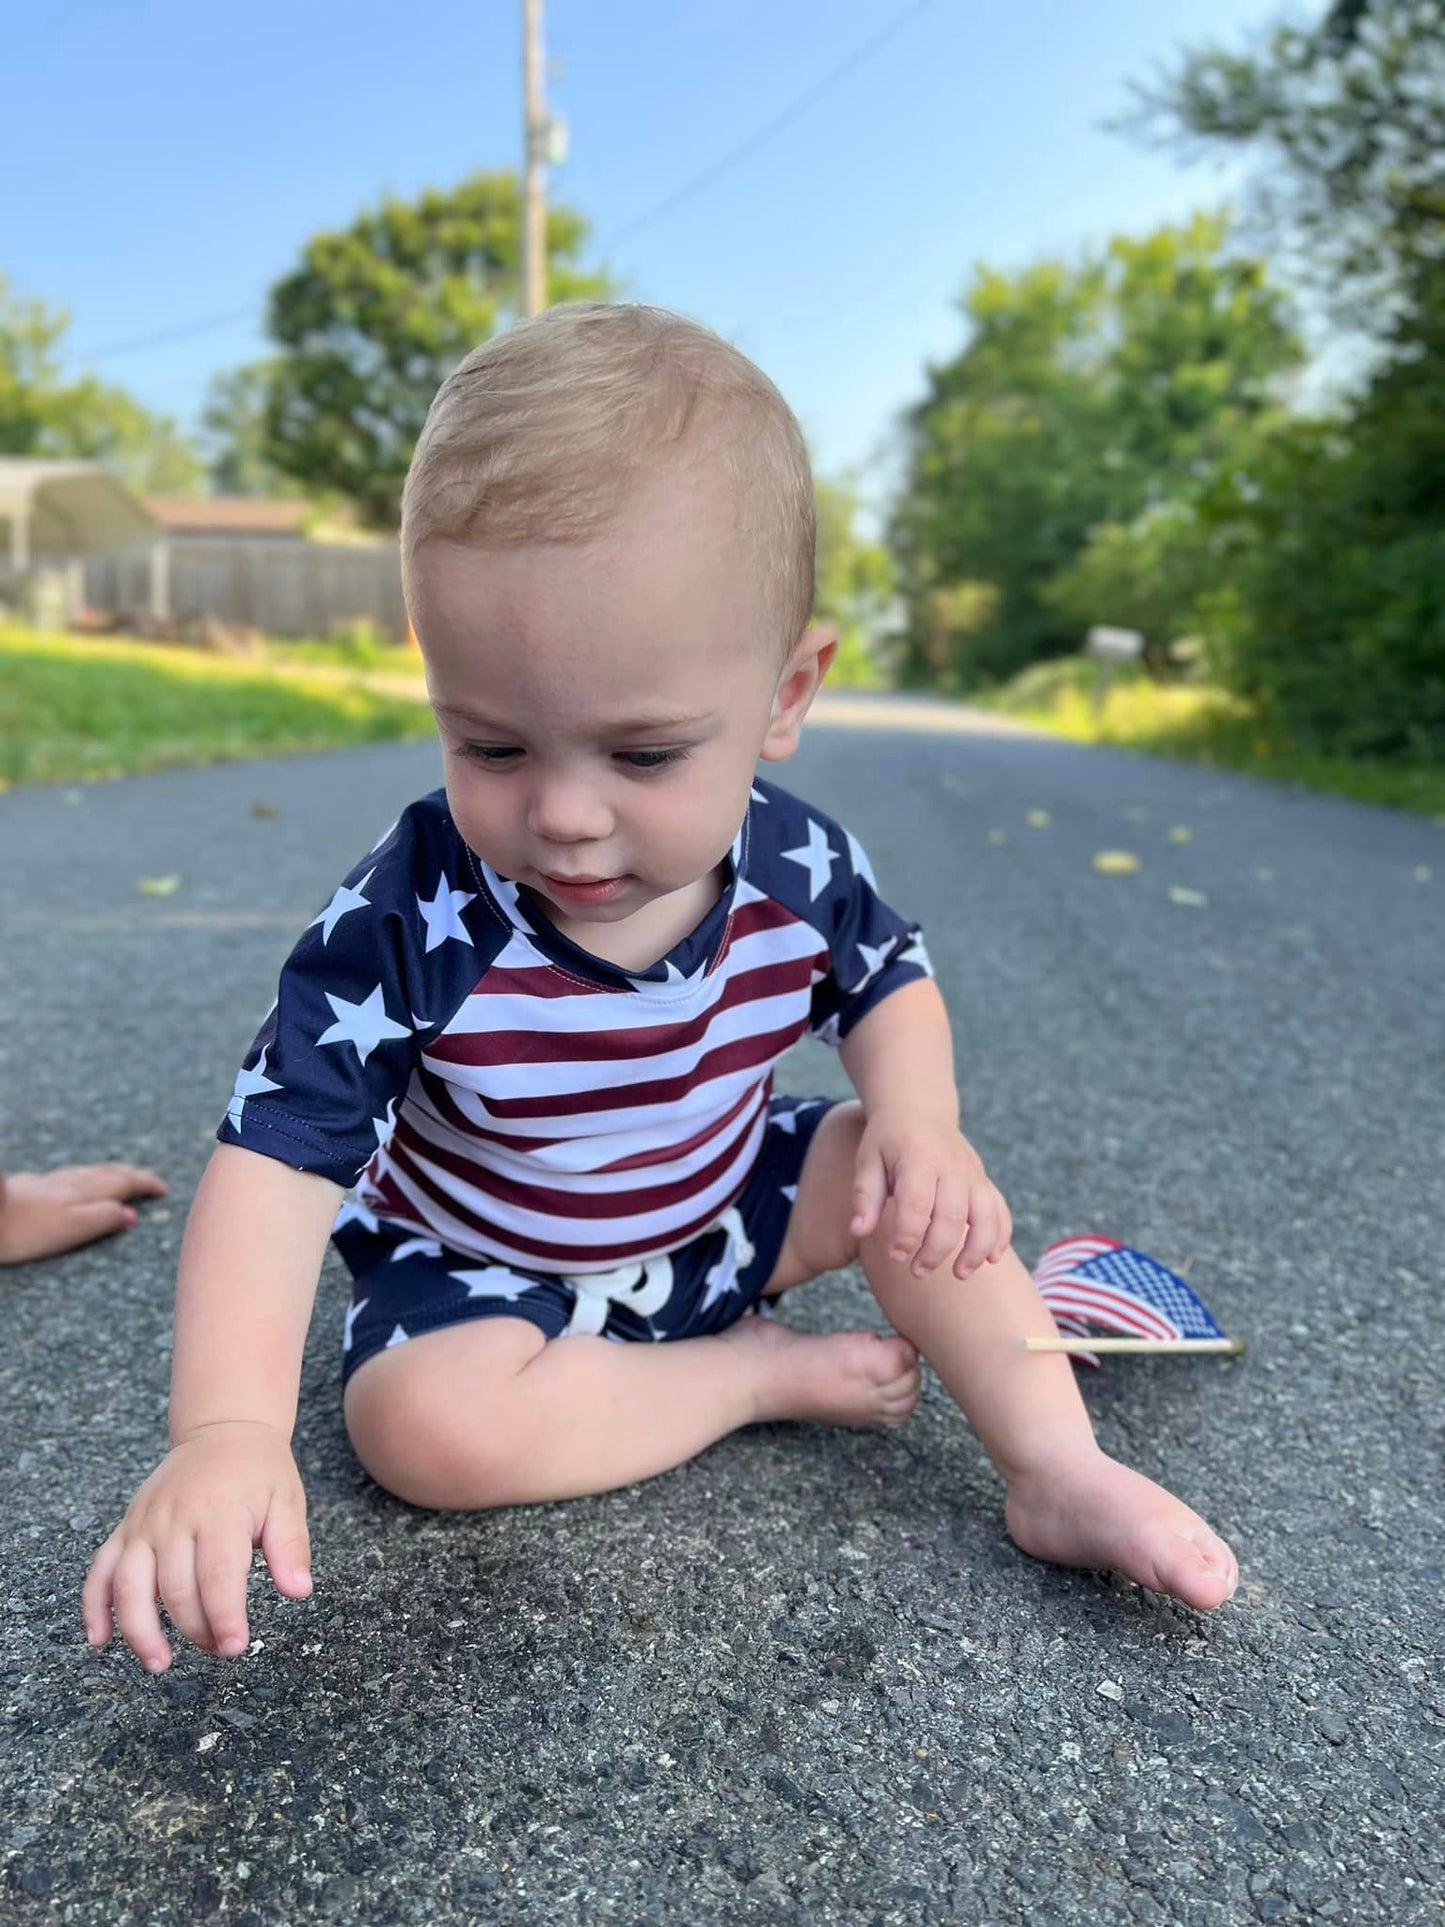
pixel 1092 1511
pixel 845 1378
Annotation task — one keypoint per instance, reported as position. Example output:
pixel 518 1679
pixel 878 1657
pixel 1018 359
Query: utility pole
pixel 538 138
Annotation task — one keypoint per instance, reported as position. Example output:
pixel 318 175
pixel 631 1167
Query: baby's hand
pixel 946 1206
pixel 188 1536
pixel 45 1213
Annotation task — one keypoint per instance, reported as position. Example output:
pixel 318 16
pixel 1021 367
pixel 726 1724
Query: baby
pixel 534 1031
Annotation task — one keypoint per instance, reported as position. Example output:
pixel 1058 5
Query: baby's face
pixel 602 706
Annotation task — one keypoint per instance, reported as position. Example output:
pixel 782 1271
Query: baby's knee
pixel 429 1441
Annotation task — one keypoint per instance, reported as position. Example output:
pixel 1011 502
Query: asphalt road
pixel 806 1677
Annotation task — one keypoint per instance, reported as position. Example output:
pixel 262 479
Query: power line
pixel 758 138
pixel 794 111
pixel 142 342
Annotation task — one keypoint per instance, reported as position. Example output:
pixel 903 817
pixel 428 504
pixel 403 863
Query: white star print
pixel 345 900
pixel 675 976
pixel 875 960
pixel 737 1253
pixel 786 1121
pixel 442 915
pixel 916 953
pixel 492 1281
pixel 417 1248
pixel 364 1025
pixel 861 866
pixel 353 1312
pixel 818 859
pixel 757 796
pixel 399 1336
pixel 352 1212
pixel 384 1126
pixel 790 1192
pixel 382 838
pixel 249 1084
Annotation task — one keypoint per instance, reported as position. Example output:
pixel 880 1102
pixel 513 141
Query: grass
pixel 1200 724
pixel 73 708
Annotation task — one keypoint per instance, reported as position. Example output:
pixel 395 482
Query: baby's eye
pixel 489 758
pixel 647 759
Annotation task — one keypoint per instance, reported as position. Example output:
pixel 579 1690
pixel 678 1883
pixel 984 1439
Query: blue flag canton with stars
pixel 1154 1285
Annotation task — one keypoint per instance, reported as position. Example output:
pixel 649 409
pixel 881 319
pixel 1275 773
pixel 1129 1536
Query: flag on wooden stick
pixel 1095 1281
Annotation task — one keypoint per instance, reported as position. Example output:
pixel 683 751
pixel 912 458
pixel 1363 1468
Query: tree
pixel 41 414
pixel 1086 393
pixel 375 317
pixel 1348 120
pixel 234 428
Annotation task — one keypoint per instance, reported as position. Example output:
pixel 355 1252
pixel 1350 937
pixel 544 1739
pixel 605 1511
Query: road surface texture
pixel 805 1678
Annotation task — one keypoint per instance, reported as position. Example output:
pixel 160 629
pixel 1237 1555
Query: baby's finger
pixel 945 1234
pixel 870 1194
pixel 95 1593
pixel 180 1593
pixel 982 1231
pixel 914 1196
pixel 133 1592
pixel 287 1546
pixel 1005 1231
pixel 99 1218
pixel 118 1181
pixel 223 1564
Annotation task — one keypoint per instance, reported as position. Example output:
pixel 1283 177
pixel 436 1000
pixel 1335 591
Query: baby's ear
pixel 807 666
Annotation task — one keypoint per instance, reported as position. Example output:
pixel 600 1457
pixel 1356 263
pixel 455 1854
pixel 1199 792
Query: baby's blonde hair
pixel 544 432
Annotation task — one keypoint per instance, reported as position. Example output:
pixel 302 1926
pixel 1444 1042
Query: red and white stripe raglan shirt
pixel 479 1078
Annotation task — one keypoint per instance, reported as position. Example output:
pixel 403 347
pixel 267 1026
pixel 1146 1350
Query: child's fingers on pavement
pixel 287 1545
pixel 95 1593
pixel 119 1181
pixel 181 1593
pixel 223 1563
pixel 133 1594
pixel 97 1218
pixel 1005 1231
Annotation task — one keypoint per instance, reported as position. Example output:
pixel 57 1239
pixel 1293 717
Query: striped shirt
pixel 439 1045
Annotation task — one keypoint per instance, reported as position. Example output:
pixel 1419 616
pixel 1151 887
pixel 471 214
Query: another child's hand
pixel 946 1208
pixel 44 1213
pixel 188 1536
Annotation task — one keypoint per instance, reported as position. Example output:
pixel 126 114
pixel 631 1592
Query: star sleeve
pixel 321 1082
pixel 872 951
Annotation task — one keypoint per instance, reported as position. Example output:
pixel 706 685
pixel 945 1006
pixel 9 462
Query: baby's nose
pixel 569 811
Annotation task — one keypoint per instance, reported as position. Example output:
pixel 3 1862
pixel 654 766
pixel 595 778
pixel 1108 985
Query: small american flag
pixel 1098 1281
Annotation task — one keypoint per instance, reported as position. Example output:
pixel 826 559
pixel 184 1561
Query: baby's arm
pixel 899 1058
pixel 252 1253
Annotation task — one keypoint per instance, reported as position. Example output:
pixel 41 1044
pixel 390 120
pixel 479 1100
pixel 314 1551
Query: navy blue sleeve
pixel 872 950
pixel 321 1082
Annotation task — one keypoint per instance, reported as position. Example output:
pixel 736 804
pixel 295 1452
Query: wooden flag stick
pixel 1232 1345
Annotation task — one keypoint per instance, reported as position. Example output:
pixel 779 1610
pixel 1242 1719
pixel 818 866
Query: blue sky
pixel 176 158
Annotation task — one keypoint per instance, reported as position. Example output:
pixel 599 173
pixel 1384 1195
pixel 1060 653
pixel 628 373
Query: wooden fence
pixel 286 588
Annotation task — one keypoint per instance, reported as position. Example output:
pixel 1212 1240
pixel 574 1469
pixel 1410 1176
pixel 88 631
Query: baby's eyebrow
pixel 656 719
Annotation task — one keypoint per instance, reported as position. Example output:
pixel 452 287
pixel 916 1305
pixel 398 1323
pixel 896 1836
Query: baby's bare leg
pixel 1067 1501
pixel 492 1413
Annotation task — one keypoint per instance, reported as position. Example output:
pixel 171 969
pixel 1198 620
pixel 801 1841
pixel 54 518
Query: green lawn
pixel 1200 724
pixel 72 708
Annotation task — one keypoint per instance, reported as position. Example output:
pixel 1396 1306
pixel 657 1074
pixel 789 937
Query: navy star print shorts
pixel 404 1285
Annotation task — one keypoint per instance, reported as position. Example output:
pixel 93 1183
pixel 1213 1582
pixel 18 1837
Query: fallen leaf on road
pixel 158 886
pixel 259 808
pixel 1115 863
pixel 1181 835
pixel 1038 819
pixel 1265 876
pixel 1423 873
pixel 1196 899
pixel 997 836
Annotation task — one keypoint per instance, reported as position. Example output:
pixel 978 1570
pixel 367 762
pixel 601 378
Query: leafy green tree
pixel 1347 119
pixel 854 583
pixel 41 414
pixel 233 424
pixel 1086 393
pixel 1332 610
pixel 375 317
